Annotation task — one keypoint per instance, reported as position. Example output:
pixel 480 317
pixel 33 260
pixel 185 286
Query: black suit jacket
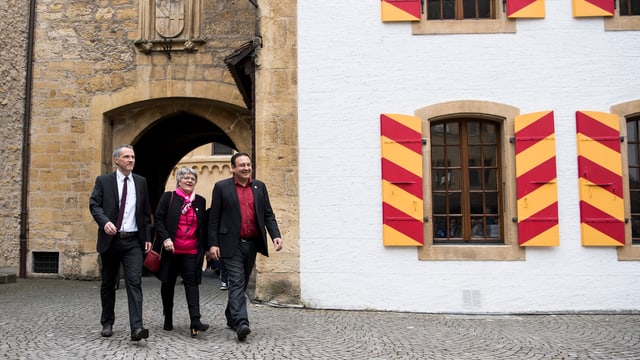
pixel 104 203
pixel 166 221
pixel 225 217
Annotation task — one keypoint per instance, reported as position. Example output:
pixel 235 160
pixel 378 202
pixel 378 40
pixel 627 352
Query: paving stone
pixel 60 319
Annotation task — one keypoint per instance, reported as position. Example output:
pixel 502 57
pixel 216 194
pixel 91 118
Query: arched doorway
pixel 162 131
pixel 160 148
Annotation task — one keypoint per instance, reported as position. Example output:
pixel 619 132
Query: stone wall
pixel 277 145
pixel 84 53
pixel 94 88
pixel 14 27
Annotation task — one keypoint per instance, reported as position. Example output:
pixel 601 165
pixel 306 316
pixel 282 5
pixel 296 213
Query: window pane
pixel 635 226
pixel 493 228
pixel 437 156
pixel 455 182
pixel 433 10
pixel 489 135
pixel 454 203
pixel 490 179
pixel 624 7
pixel 221 149
pixel 484 9
pixel 489 156
pixel 635 201
pixel 629 7
pixel 453 133
pixel 477 227
pixel 437 134
pixel 491 203
pixel 469 9
pixel 440 226
pixel 449 9
pixel 477 9
pixel 455 227
pixel 634 177
pixel 439 203
pixel 632 133
pixel 476 200
pixel 635 7
pixel 453 156
pixel 475 176
pixel 441 179
pixel 473 133
pixel 475 156
pixel 633 154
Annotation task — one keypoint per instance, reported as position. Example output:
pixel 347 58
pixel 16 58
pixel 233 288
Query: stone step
pixel 8 276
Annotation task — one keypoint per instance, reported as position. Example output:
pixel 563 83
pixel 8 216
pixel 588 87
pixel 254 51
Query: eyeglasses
pixel 189 178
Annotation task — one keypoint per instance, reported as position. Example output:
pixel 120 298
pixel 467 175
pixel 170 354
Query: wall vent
pixel 45 262
pixel 471 299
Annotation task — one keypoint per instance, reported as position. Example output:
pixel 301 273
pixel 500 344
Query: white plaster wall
pixel 353 67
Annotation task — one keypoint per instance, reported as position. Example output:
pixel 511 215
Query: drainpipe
pixel 26 143
pixel 257 41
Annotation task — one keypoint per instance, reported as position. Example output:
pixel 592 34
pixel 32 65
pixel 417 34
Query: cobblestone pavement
pixel 59 319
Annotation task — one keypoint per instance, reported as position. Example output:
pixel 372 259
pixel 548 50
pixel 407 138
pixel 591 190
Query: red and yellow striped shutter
pixel 585 8
pixel 525 9
pixel 600 179
pixel 401 10
pixel 536 180
pixel 402 210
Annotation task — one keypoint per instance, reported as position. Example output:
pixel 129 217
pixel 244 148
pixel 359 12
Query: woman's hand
pixel 168 245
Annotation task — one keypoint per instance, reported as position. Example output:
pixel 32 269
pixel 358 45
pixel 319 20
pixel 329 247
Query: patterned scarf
pixel 187 199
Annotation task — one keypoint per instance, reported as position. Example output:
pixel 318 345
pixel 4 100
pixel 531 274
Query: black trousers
pixel 239 267
pixel 184 265
pixel 129 253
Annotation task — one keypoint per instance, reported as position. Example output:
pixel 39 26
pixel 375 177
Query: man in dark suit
pixel 122 237
pixel 240 213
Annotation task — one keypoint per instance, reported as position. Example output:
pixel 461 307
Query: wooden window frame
pixel 501 24
pixel 620 23
pixel 508 251
pixel 465 187
pixel 625 110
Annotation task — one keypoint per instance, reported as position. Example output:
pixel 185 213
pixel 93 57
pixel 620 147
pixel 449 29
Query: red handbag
pixel 152 261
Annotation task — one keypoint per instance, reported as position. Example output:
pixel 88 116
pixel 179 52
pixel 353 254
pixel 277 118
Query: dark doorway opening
pixel 165 143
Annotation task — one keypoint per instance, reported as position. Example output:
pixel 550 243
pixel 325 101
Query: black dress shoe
pixel 197 327
pixel 139 334
pixel 107 331
pixel 242 332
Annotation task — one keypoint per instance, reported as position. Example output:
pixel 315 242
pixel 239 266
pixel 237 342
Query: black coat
pixel 225 218
pixel 166 222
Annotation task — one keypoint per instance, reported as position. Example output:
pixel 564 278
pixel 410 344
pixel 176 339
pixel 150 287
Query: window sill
pixel 432 27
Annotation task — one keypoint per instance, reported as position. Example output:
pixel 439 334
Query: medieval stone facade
pixel 152 74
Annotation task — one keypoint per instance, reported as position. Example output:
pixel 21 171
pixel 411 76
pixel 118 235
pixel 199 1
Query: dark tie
pixel 123 200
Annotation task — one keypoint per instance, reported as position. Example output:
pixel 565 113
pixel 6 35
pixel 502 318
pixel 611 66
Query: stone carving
pixel 170 17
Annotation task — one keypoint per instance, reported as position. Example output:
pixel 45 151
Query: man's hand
pixel 277 242
pixel 147 246
pixel 214 252
pixel 110 229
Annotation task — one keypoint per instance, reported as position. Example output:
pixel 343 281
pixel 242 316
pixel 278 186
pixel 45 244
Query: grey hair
pixel 116 152
pixel 184 171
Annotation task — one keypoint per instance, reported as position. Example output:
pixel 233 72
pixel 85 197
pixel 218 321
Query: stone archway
pixel 163 130
pixel 149 116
